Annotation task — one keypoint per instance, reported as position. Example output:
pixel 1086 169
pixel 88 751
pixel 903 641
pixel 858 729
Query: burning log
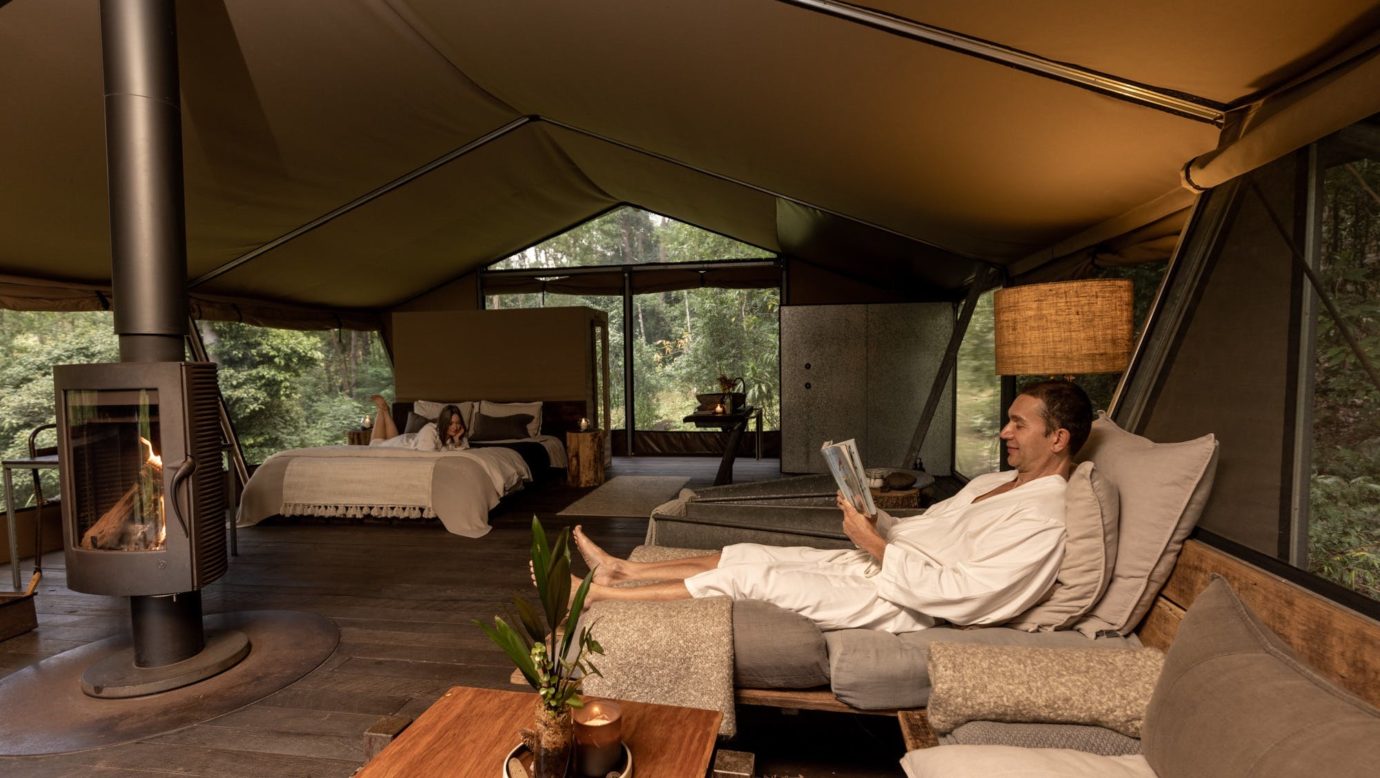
pixel 135 522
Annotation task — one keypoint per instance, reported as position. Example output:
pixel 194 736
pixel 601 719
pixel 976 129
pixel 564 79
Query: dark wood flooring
pixel 404 598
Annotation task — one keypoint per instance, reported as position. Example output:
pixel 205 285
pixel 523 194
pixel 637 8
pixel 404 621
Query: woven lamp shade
pixel 1064 328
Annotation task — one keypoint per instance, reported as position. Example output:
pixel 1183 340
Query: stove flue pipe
pixel 143 133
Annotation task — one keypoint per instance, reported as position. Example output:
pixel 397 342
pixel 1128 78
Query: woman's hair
pixel 443 424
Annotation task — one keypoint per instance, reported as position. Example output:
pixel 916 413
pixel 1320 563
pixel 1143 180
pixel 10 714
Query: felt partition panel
pixel 505 356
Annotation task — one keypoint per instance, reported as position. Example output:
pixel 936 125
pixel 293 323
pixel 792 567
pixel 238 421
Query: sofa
pixel 1232 699
pixel 1131 504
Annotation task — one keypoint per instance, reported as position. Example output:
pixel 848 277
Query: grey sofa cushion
pixel 1233 700
pixel 774 648
pixel 873 670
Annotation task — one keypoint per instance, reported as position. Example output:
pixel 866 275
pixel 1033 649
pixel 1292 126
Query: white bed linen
pixel 333 481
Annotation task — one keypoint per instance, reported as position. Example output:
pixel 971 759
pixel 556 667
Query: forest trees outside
pixel 683 340
pixel 1344 498
pixel 285 389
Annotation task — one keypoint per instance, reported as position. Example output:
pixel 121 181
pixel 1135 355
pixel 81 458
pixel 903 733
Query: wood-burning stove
pixel 143 508
pixel 143 496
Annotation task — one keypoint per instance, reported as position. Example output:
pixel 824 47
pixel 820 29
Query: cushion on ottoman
pixel 1031 684
pixel 1233 700
pixel 774 648
pixel 1010 761
pixel 872 670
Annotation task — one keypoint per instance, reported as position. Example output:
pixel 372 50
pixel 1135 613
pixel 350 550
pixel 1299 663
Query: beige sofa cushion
pixel 1233 700
pixel 1053 685
pixel 1163 488
pixel 1090 520
pixel 1012 761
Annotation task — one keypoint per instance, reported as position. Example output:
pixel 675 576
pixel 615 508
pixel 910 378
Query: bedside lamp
pixel 1063 328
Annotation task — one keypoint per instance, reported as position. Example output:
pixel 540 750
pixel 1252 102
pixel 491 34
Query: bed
pixel 457 487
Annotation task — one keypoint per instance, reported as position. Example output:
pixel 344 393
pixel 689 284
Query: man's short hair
pixel 1066 406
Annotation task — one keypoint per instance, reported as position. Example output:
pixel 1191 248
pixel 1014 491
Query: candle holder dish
pixel 523 755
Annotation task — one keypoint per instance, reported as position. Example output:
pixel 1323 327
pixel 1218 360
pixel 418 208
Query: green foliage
pixel 31 344
pixel 682 340
pixel 292 389
pixel 1344 497
pixel 541 654
pixel 1344 532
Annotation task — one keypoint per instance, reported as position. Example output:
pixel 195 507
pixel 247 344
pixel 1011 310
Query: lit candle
pixel 584 424
pixel 598 737
pixel 719 408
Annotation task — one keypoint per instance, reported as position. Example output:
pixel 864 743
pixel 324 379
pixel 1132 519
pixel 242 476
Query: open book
pixel 846 465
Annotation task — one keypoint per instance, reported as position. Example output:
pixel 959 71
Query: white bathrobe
pixel 961 562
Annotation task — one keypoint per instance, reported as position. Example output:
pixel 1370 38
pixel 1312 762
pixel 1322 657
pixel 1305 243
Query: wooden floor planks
pixel 404 598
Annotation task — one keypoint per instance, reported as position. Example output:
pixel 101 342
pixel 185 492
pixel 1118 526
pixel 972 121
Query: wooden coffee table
pixel 468 732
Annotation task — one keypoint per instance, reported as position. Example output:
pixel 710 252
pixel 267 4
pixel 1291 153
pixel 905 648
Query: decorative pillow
pixel 532 409
pixel 1233 700
pixel 989 761
pixel 1163 489
pixel 1090 519
pixel 500 427
pixel 415 423
pixel 432 410
pixel 1055 685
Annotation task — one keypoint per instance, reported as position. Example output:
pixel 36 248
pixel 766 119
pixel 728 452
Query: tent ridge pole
pixel 363 199
pixel 1188 106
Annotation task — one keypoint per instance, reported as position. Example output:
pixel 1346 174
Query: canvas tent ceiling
pixel 349 156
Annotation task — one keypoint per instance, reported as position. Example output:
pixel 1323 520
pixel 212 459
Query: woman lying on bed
pixel 429 438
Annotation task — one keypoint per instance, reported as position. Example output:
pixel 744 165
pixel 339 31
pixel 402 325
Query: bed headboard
pixel 557 416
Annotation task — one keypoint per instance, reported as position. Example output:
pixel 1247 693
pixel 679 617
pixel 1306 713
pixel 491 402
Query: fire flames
pixel 136 521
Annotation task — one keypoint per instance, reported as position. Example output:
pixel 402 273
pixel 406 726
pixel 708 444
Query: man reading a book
pixel 983 556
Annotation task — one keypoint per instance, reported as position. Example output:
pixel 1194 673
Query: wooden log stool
pixel 584 458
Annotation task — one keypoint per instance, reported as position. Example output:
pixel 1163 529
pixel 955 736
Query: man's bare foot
pixel 608 569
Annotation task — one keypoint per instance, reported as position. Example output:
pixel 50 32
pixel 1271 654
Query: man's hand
pixel 861 529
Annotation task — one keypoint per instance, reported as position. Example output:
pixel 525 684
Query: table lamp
pixel 1063 328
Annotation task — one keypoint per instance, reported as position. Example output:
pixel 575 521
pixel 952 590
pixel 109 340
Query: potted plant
pixel 544 655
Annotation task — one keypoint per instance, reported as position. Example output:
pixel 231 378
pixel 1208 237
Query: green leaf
pixel 508 640
pixel 532 619
pixel 557 590
pixel 541 560
pixel 576 607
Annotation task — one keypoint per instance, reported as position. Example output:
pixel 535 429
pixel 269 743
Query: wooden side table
pixel 359 437
pixel 584 454
pixel 468 732
pixel 900 498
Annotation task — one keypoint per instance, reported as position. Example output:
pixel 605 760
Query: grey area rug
pixel 631 496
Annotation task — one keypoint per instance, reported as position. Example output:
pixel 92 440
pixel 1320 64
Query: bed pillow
pixel 415 422
pixel 1163 489
pixel 1090 520
pixel 432 410
pixel 512 427
pixel 532 409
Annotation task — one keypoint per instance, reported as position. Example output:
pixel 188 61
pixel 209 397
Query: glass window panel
pixel 978 396
pixel 31 342
pixel 630 236
pixel 296 389
pixel 1343 508
pixel 686 339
